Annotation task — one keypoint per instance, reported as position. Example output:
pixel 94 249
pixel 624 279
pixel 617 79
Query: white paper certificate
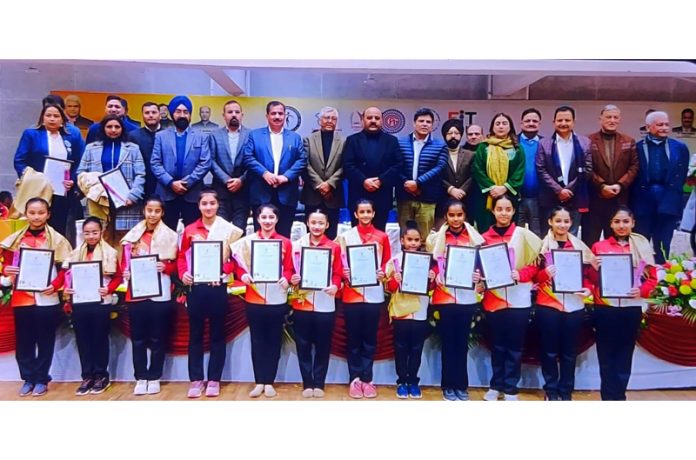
pixel 616 275
pixel 266 260
pixel 568 277
pixel 459 271
pixel 495 263
pixel 206 261
pixel 362 260
pixel 116 187
pixel 35 268
pixel 86 281
pixel 414 277
pixel 315 271
pixel 145 280
pixel 56 171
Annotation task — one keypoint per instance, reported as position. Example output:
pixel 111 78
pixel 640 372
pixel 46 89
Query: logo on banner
pixel 393 121
pixel 436 121
pixel 293 119
pixel 356 121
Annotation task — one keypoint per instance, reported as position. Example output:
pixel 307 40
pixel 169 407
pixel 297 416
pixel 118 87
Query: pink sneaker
pixel 369 390
pixel 213 389
pixel 195 389
pixel 355 390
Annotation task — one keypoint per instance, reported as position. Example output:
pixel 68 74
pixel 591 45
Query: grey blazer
pixel 222 167
pixel 319 171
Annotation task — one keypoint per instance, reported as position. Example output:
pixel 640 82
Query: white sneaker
pixel 491 395
pixel 307 393
pixel 140 388
pixel 269 391
pixel 256 392
pixel 153 387
pixel 511 397
pixel 318 393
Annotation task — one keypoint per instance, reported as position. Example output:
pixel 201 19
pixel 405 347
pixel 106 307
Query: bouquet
pixel 675 293
pixel 5 285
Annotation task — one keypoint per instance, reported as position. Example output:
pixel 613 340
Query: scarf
pixel 221 230
pixel 526 246
pixel 54 240
pixel 400 304
pixel 550 243
pixel 102 251
pixel 497 163
pixel 32 184
pixel 436 242
pixel 641 249
pixel 97 200
pixel 164 242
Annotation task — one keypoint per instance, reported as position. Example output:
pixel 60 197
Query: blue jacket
pixel 95 129
pixel 33 150
pixel 670 200
pixel 431 166
pixel 258 158
pixel 196 163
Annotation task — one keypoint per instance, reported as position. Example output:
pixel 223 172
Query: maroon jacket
pixel 622 171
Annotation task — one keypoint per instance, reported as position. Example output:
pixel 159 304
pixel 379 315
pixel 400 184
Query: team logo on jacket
pixel 393 121
pixel 293 118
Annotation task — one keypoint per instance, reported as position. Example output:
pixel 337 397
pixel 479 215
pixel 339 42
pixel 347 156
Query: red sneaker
pixel 355 390
pixel 369 390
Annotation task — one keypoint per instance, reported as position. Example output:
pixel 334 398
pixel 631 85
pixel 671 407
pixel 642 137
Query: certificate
pixel 616 275
pixel 145 280
pixel 35 268
pixel 495 263
pixel 56 171
pixel 315 271
pixel 86 281
pixel 266 260
pixel 568 277
pixel 415 270
pixel 362 260
pixel 116 187
pixel 459 271
pixel 206 261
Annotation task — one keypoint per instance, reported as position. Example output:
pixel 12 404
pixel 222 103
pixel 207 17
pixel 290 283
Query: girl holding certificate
pixel 363 305
pixel 314 312
pixel 616 320
pixel 410 315
pixel 36 314
pixel 207 300
pixel 559 316
pixel 508 308
pixel 456 306
pixel 92 321
pixel 150 317
pixel 266 302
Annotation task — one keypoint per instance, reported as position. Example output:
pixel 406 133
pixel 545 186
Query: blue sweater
pixel 530 186
pixel 431 166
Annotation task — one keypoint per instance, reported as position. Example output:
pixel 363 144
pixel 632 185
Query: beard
pixel 181 123
pixel 453 143
pixel 233 123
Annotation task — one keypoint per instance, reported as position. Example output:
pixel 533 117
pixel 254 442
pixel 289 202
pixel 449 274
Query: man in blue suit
pixel 656 194
pixel 275 158
pixel 229 173
pixel 180 160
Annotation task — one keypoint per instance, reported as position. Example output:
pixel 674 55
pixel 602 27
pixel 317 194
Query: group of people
pixel 446 195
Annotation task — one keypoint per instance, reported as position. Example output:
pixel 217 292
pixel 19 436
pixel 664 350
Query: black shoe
pixel 100 385
pixel 84 387
pixel 568 397
pixel 551 397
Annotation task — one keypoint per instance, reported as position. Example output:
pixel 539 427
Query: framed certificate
pixel 315 270
pixel 414 274
pixel 266 260
pixel 362 260
pixel 206 261
pixel 145 280
pixel 116 186
pixel 568 277
pixel 86 281
pixel 495 263
pixel 56 171
pixel 616 275
pixel 35 268
pixel 459 271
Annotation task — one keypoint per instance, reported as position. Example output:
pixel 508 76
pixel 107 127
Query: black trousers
pixel 313 329
pixel 362 321
pixel 266 330
pixel 616 330
pixel 179 207
pixel 235 209
pixel 558 340
pixel 598 220
pixel 35 334
pixel 508 328
pixel 207 302
pixel 659 228
pixel 92 324
pixel 150 323
pixel 409 337
pixel 285 219
pixel 454 327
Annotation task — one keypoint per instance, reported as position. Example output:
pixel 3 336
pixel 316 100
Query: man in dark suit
pixel 656 194
pixel 614 168
pixel 145 138
pixel 456 180
pixel 229 173
pixel 323 185
pixel 180 160
pixel 372 164
pixel 275 159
